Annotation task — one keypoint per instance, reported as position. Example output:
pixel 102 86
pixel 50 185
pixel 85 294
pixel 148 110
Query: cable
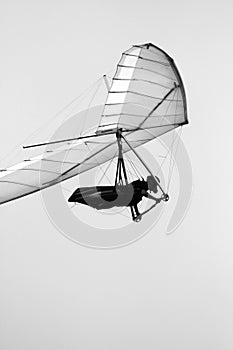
pixel 169 180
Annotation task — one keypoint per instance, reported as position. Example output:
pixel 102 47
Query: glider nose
pixel 75 197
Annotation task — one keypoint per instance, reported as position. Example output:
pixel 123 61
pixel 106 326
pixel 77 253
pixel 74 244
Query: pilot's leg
pixel 138 216
pixel 136 209
pixel 132 212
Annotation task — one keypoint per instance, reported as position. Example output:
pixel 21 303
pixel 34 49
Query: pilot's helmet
pixel 152 183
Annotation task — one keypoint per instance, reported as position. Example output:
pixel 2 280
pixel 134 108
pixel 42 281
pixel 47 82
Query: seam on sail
pixel 140 94
pixel 148 59
pixel 146 69
pixel 19 183
pixel 143 80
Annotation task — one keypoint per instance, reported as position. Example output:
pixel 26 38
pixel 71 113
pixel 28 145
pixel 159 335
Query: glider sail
pixel 146 92
pixel 146 99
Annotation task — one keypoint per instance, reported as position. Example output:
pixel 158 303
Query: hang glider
pixel 146 99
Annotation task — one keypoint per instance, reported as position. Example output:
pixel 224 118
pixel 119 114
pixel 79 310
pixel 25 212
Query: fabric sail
pixel 146 92
pixel 146 100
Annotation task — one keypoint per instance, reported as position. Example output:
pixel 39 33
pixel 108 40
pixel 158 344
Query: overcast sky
pixel 162 292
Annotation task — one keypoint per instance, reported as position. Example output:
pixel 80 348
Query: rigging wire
pixel 173 164
pixel 54 117
pixel 100 165
pixel 133 166
pixel 166 156
pixel 171 147
pixel 90 103
pixel 107 168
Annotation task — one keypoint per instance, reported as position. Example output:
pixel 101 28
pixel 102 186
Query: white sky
pixel 164 292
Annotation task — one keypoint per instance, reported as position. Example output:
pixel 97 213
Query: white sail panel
pixel 47 169
pixel 146 79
